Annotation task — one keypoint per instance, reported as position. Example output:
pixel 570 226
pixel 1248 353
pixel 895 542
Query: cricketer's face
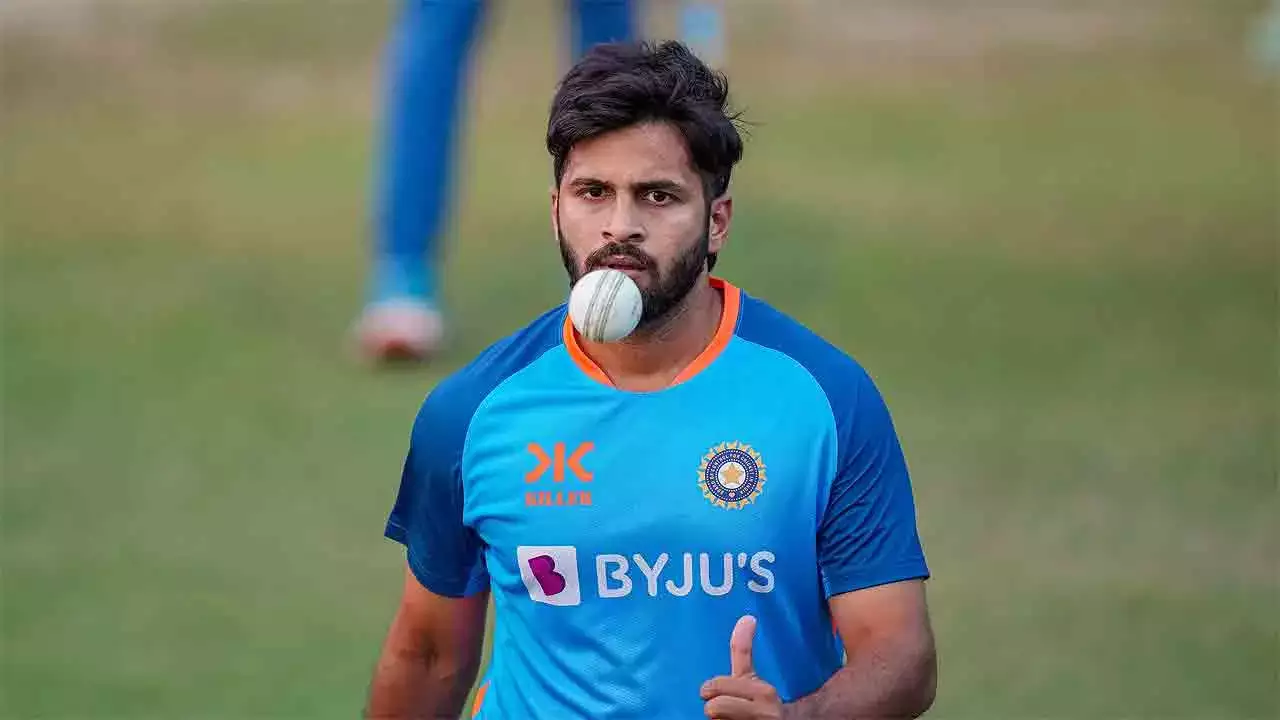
pixel 632 199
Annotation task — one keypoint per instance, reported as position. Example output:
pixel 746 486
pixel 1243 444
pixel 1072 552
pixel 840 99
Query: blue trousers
pixel 426 67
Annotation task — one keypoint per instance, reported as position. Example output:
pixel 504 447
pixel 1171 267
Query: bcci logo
pixel 731 475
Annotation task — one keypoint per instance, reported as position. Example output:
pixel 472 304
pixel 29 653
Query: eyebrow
pixel 669 185
pixel 642 186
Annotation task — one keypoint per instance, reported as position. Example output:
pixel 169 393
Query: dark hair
pixel 616 85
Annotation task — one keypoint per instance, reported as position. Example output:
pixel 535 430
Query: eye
pixel 593 192
pixel 659 197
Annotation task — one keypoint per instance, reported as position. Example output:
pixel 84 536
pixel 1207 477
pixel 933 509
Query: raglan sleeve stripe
pixel 868 534
pixel 445 555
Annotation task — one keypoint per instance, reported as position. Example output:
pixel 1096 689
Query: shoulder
pixel 447 409
pixel 843 380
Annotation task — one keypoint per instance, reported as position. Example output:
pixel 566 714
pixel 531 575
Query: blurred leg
pixel 426 66
pixel 427 59
pixel 1266 39
pixel 600 21
pixel 702 29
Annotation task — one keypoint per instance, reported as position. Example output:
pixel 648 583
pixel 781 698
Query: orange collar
pixel 724 333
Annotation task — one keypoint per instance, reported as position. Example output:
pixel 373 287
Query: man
pixel 671 526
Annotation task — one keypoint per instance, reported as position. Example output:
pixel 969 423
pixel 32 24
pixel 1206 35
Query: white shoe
pixel 400 330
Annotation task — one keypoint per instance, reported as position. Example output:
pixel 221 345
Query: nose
pixel 624 224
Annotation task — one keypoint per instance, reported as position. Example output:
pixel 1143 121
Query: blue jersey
pixel 624 533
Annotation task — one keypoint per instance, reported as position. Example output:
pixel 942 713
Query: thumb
pixel 740 647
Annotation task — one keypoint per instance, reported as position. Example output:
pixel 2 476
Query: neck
pixel 653 356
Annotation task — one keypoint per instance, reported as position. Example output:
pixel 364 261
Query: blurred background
pixel 1047 228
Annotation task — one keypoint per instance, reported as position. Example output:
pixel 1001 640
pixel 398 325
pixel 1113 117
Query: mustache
pixel 597 258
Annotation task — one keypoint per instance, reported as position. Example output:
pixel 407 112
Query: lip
pixel 621 262
pixel 639 275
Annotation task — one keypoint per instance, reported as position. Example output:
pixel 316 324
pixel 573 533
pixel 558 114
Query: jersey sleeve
pixel 445 555
pixel 868 534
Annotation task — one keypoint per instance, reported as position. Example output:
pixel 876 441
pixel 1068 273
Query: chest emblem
pixel 731 475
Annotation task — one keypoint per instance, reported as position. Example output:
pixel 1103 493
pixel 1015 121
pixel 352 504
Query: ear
pixel 718 222
pixel 555 211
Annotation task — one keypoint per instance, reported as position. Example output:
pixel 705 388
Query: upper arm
pixel 445 555
pixel 868 534
pixel 445 628
pixel 895 615
pixel 873 566
pixel 889 643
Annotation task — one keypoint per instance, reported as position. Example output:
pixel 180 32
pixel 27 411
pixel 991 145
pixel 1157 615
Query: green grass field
pixel 1053 245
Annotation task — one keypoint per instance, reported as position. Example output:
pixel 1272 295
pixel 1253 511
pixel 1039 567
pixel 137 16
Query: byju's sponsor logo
pixel 551 574
pixel 617 576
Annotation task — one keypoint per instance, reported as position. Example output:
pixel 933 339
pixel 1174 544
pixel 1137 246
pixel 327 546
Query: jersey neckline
pixel 724 333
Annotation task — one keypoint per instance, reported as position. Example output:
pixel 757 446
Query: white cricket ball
pixel 605 305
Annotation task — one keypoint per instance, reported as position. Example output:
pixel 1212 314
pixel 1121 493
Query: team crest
pixel 731 475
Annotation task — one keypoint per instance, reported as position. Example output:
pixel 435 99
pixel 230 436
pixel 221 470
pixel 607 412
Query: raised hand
pixel 741 695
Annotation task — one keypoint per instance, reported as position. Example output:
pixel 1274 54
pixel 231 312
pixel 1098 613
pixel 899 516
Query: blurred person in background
pixel 427 61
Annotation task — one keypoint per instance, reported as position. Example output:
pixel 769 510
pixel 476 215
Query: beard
pixel 665 289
